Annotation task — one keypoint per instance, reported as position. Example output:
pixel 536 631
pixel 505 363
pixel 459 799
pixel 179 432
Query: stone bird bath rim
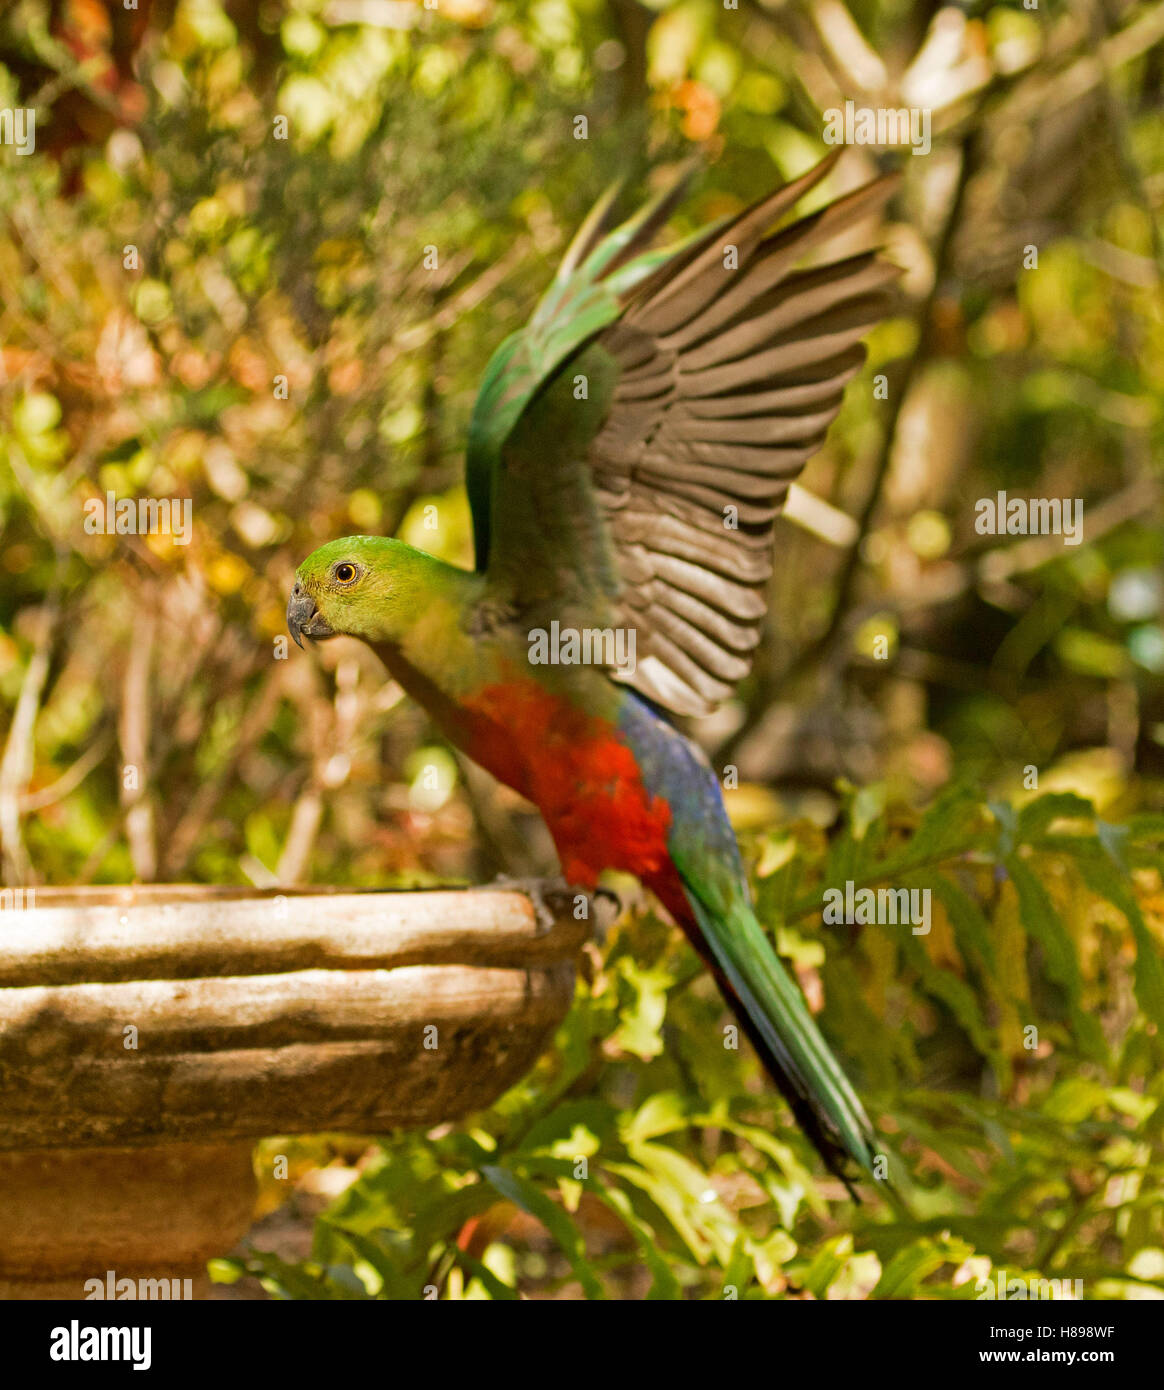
pixel 150 1033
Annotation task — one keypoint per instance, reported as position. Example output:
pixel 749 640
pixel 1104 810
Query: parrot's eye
pixel 344 573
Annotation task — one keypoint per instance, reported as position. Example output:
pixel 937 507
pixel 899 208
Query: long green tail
pixel 776 1018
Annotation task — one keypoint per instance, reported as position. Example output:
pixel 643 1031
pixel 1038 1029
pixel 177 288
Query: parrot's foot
pixel 554 898
pixel 551 897
pixel 607 909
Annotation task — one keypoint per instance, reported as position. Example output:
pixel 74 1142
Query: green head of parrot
pixel 340 588
pixel 370 587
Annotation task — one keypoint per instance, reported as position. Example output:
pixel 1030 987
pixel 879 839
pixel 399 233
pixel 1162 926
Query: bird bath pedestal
pixel 149 1035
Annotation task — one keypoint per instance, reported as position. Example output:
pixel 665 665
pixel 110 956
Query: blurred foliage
pixel 1011 1055
pixel 193 307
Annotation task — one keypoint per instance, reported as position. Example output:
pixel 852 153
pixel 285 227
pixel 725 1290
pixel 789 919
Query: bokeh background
pixel 215 286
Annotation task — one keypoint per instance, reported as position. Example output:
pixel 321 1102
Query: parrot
pixel 626 458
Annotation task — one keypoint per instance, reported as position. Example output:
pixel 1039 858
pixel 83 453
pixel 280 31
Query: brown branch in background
pixel 305 820
pixel 816 655
pixel 1083 75
pixel 253 725
pixel 1138 499
pixel 16 766
pixel 817 651
pixel 1095 18
pixel 480 288
pixel 905 377
pixel 70 780
pixel 991 570
pixel 96 856
pixel 633 22
pixel 332 727
pixel 134 737
pixel 1092 68
pixel 307 812
pixel 417 335
pixel 430 405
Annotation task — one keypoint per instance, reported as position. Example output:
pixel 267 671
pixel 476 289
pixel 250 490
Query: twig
pixel 254 724
pixel 17 763
pixel 68 781
pixel 921 354
pixel 332 729
pixel 134 737
pixel 1117 118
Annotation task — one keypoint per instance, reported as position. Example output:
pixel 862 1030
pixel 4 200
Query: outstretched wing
pixel 632 446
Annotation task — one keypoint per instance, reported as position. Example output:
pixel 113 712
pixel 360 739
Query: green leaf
pixel 565 1120
pixel 535 1203
pixel 792 1183
pixel 1037 816
pixel 955 993
pixel 640 1031
pixel 866 808
pixel 1074 1100
pixel 661 1114
pixel 495 1287
pixel 367 1248
pixel 664 1284
pixel 827 1264
pixel 667 1180
pixel 971 929
pixel 950 825
pixel 286 1280
pixel 740 1269
pixel 1146 826
pixel 225 1270
pixel 1045 926
pixel 1103 877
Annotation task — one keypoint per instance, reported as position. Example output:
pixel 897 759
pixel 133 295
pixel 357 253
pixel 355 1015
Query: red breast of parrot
pixel 628 454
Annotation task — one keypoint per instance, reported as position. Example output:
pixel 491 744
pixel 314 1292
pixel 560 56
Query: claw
pixel 539 891
pixel 542 891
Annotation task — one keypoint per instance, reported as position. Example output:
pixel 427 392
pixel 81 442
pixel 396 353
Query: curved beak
pixel 303 618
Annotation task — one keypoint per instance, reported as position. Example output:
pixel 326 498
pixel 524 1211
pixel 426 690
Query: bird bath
pixel 150 1034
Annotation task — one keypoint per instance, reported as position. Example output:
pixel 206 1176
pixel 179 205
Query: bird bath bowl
pixel 150 1034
